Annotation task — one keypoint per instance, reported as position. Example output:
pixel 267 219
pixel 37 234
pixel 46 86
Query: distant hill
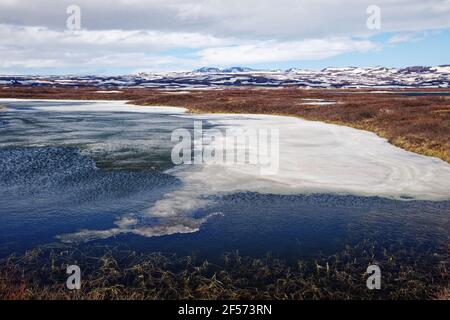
pixel 226 70
pixel 332 77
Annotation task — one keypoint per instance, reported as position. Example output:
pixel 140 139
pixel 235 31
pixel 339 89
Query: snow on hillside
pixel 208 77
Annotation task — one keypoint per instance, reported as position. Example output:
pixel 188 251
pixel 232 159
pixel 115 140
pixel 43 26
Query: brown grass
pixel 111 273
pixel 418 124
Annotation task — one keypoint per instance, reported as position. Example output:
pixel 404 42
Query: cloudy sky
pixel 128 36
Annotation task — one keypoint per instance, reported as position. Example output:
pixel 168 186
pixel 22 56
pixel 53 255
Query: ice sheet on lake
pixel 97 106
pixel 314 158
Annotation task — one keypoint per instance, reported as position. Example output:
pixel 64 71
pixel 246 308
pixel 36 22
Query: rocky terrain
pixel 350 77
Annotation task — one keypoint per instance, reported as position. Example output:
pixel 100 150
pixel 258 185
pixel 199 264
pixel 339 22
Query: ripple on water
pixel 46 190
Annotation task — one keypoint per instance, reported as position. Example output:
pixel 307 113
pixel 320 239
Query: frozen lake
pixel 77 171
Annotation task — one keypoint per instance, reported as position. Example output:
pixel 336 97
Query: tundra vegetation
pixel 117 273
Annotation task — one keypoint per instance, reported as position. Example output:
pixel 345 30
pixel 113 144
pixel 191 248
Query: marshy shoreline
pixel 420 124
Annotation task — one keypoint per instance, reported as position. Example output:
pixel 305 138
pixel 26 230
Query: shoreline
pixel 413 123
pixel 298 133
pixel 193 111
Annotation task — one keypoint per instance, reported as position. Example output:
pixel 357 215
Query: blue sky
pixel 129 36
pixel 426 50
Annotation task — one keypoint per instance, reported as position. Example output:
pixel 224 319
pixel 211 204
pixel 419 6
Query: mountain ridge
pixel 206 77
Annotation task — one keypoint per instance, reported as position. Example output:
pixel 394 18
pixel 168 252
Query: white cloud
pixel 411 36
pixel 286 19
pixel 405 37
pixel 29 47
pixel 33 34
pixel 313 49
pixel 40 47
pixel 124 39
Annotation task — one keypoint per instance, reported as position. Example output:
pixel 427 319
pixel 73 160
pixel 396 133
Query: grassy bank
pixel 417 124
pixel 112 273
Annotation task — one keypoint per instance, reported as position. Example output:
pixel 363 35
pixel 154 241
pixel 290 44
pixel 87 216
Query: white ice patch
pixel 166 227
pixel 97 106
pixel 314 158
pixel 317 102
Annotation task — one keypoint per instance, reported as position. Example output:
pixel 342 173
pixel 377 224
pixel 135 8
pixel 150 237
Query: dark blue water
pixel 61 172
pixel 303 226
pixel 48 191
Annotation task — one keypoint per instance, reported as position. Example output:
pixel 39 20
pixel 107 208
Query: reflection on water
pixel 132 141
pixel 303 226
pixel 67 171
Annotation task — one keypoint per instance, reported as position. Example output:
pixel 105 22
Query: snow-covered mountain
pixel 349 77
pixel 227 70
